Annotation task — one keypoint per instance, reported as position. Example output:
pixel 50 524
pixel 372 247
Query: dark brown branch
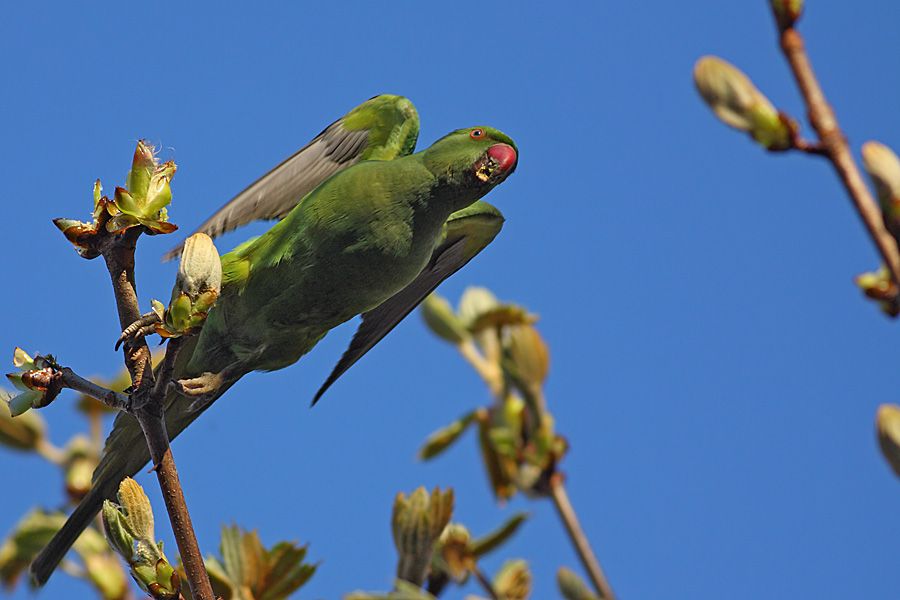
pixel 166 369
pixel 73 381
pixel 834 147
pixel 149 411
pixel 579 539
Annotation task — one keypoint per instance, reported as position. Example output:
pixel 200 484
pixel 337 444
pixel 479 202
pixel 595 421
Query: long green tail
pixel 124 455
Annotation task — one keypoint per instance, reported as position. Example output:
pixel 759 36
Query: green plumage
pixel 373 237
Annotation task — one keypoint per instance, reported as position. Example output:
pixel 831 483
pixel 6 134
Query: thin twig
pixel 579 539
pixel 150 415
pixel 834 147
pixel 485 582
pixel 489 372
pixel 73 381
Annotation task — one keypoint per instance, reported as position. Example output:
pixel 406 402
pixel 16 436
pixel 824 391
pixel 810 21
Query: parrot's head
pixel 478 158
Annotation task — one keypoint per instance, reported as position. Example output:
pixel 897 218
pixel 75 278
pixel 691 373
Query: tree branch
pixel 579 539
pixel 148 409
pixel 834 146
pixel 485 583
pixel 73 381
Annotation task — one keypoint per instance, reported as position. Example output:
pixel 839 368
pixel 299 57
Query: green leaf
pixel 286 571
pixel 502 315
pixel 501 485
pixel 24 432
pixel 250 572
pixel 28 538
pixel 138 512
pixel 222 586
pixel 117 534
pixel 443 438
pixel 143 164
pixel 106 574
pixel 232 549
pixel 499 536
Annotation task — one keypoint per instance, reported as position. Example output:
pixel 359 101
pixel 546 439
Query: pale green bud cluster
pixel 142 203
pixel 518 443
pixel 129 530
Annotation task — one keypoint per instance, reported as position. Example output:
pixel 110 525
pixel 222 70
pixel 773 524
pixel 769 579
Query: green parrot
pixel 372 238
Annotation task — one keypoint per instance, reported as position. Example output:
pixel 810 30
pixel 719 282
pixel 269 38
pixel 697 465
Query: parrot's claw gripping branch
pixel 139 329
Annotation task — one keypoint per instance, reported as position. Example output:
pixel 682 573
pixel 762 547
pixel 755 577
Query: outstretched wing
pixel 466 233
pixel 382 128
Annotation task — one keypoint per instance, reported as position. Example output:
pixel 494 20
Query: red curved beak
pixel 505 155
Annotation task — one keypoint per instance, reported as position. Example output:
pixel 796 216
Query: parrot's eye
pixel 476 134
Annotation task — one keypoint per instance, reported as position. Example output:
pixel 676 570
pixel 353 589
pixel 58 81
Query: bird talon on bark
pixel 141 328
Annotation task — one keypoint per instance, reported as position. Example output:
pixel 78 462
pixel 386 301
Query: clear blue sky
pixel 714 367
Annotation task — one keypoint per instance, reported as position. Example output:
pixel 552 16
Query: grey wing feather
pixel 447 259
pixel 274 194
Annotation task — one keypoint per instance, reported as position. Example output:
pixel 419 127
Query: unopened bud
pixel 200 269
pixel 572 587
pixel 879 286
pixel 887 426
pixel 417 523
pixel 883 168
pixel 528 353
pixel 455 552
pixel 443 322
pixel 80 461
pixel 474 302
pixel 736 101
pixel 787 11
pixel 143 164
pixel 513 582
pixel 196 287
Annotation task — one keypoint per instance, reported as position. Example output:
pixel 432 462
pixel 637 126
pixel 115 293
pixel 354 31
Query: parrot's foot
pixel 204 384
pixel 141 328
